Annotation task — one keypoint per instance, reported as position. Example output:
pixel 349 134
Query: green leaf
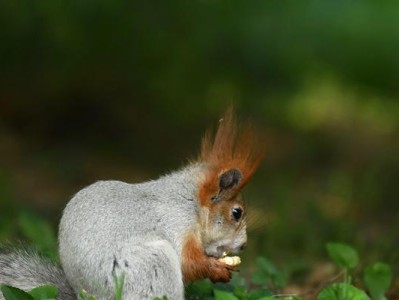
pixel 264 269
pixel 259 277
pixel 265 272
pixel 223 286
pixel 201 288
pixel 119 282
pixel 378 279
pixel 223 295
pixel 44 292
pixel 342 291
pixel 241 292
pixel 13 293
pixel 343 255
pixel 237 280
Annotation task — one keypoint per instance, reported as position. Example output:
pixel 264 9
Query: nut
pixel 231 260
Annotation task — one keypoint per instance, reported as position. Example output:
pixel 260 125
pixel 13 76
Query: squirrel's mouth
pixel 214 251
pixel 218 251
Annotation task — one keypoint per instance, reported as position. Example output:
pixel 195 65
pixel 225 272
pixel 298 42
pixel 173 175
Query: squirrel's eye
pixel 237 213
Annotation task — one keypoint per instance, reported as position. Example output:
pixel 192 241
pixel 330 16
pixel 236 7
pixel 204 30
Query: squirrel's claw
pixel 219 272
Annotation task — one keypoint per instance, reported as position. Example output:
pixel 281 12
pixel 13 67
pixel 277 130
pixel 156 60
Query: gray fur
pixel 26 270
pixel 113 228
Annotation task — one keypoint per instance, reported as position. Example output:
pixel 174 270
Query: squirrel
pixel 159 235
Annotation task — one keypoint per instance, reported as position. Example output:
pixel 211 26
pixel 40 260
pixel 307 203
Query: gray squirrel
pixel 159 235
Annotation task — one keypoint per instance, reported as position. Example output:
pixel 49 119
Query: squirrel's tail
pixel 26 270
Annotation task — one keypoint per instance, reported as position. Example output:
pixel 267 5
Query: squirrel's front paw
pixel 219 271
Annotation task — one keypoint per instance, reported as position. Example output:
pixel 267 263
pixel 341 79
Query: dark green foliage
pixel 39 232
pixel 44 292
pixel 267 277
pixel 377 278
pixel 237 288
pixel 201 289
pixel 266 274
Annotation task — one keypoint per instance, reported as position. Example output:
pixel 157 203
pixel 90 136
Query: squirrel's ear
pixel 230 157
pixel 228 181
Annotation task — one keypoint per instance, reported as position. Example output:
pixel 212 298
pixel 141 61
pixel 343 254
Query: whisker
pixel 258 219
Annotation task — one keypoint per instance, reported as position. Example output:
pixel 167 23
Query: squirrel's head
pixel 230 158
pixel 224 223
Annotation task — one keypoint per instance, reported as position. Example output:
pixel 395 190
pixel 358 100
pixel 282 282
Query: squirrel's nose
pixel 242 247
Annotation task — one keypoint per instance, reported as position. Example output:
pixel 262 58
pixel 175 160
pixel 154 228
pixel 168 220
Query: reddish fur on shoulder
pixel 193 258
pixel 196 265
pixel 232 147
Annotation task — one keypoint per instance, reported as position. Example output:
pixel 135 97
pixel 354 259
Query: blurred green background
pixel 114 89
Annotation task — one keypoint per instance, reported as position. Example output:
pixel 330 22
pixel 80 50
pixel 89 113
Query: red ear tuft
pixel 232 147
